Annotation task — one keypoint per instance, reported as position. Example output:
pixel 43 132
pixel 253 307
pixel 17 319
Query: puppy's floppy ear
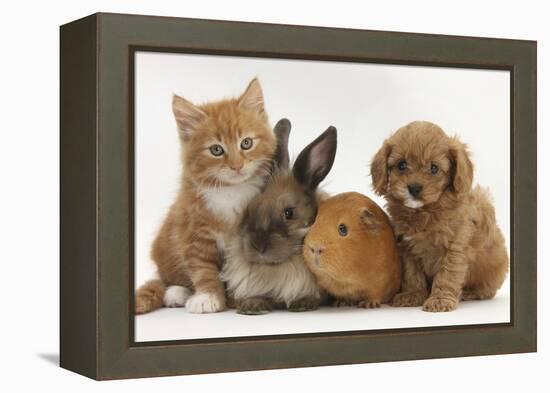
pixel 282 130
pixel 315 161
pixel 462 169
pixel 379 169
pixel 188 116
pixel 369 220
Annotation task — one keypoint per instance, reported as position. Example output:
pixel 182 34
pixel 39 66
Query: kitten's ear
pixel 315 161
pixel 253 98
pixel 282 130
pixel 188 116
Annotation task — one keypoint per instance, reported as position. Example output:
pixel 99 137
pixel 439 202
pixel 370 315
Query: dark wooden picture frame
pixel 97 208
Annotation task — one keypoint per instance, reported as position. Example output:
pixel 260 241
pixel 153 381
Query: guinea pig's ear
pixel 462 169
pixel 379 169
pixel 282 130
pixel 315 161
pixel 369 220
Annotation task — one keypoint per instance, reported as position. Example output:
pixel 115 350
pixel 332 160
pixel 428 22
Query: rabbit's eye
pixel 246 143
pixel 288 212
pixel 216 150
pixel 342 229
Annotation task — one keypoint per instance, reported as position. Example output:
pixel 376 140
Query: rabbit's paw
pixel 304 304
pixel 254 306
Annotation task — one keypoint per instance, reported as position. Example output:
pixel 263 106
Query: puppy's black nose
pixel 414 189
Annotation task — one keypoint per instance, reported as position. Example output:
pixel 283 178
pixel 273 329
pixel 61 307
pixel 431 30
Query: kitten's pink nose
pixel 237 167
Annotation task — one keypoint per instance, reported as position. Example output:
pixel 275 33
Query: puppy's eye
pixel 288 212
pixel 342 230
pixel 246 143
pixel 216 150
pixel 434 169
pixel 402 165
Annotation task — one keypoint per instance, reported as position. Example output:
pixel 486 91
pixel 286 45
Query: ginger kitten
pixel 227 150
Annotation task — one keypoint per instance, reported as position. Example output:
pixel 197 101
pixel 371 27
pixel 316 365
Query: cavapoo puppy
pixel 450 244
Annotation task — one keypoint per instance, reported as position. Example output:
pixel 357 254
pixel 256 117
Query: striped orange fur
pixel 214 189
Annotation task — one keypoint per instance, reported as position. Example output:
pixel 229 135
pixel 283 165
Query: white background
pixel 29 199
pixel 366 102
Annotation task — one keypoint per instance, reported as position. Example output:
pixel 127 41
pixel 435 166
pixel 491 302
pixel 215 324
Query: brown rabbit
pixel 264 265
pixel 351 250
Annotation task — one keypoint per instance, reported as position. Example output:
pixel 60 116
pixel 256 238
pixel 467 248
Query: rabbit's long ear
pixel 282 130
pixel 315 161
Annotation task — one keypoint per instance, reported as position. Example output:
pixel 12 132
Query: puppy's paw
pixel 409 299
pixel 439 304
pixel 478 294
pixel 305 304
pixel 205 302
pixel 367 303
pixel 254 306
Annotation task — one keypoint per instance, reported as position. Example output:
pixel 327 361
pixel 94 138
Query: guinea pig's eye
pixel 288 212
pixel 246 143
pixel 342 229
pixel 402 165
pixel 434 169
pixel 216 150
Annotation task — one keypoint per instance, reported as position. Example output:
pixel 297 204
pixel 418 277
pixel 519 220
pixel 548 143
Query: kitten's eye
pixel 216 150
pixel 246 143
pixel 288 212
pixel 434 169
pixel 342 230
pixel 402 165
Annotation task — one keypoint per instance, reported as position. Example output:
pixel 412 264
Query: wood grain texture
pixel 78 192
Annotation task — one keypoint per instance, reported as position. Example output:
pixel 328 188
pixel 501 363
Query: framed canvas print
pixel 241 196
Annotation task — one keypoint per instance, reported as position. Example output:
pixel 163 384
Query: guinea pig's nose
pixel 317 250
pixel 415 189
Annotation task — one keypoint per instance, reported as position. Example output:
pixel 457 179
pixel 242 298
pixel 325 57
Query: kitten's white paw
pixel 176 296
pixel 204 302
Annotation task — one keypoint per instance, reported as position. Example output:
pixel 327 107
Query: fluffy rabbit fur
pixel 264 266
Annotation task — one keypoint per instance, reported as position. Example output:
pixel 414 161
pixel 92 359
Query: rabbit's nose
pixel 259 245
pixel 263 248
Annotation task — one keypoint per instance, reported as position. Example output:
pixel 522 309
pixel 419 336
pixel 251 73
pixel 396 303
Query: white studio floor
pixel 176 324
